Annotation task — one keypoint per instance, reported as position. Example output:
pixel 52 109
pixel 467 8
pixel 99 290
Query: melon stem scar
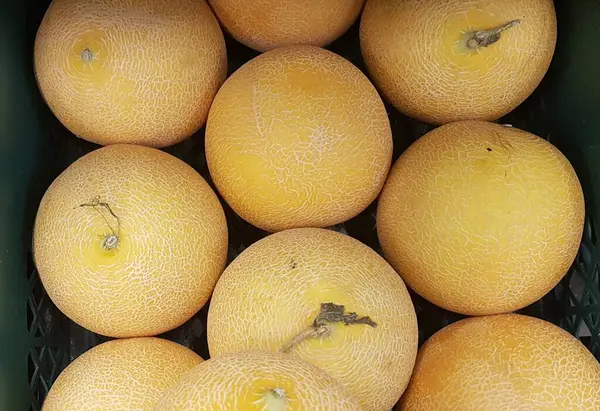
pixel 330 313
pixel 111 241
pixel 483 38
pixel 86 55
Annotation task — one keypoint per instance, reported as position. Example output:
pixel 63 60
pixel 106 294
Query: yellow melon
pixel 267 24
pixel 257 380
pixel 129 374
pixel 298 137
pixel 138 72
pixel 326 298
pixel 129 241
pixel 444 61
pixel 503 362
pixel 481 218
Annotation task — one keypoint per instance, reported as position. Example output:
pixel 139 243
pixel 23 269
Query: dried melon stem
pixel 484 38
pixel 111 241
pixel 330 313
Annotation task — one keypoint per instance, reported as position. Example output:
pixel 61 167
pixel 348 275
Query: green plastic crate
pixel 37 341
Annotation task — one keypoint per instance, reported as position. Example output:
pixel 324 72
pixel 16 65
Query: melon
pixel 136 72
pixel 257 380
pixel 267 24
pixel 444 61
pixel 130 374
pixel 298 137
pixel 326 298
pixel 129 241
pixel 481 218
pixel 503 362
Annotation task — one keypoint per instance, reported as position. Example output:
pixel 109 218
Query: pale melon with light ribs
pixel 505 362
pixel 266 24
pixel 481 218
pixel 139 72
pixel 443 61
pixel 121 375
pixel 298 137
pixel 129 241
pixel 326 298
pixel 257 381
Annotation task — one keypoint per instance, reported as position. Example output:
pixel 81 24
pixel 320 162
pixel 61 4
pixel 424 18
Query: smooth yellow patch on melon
pixel 417 54
pixel 266 24
pixel 274 289
pixel 257 381
pixel 129 374
pixel 298 137
pixel 171 248
pixel 503 362
pixel 481 218
pixel 139 72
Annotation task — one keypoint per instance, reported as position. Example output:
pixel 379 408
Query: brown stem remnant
pixel 484 38
pixel 87 55
pixel 330 313
pixel 111 241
